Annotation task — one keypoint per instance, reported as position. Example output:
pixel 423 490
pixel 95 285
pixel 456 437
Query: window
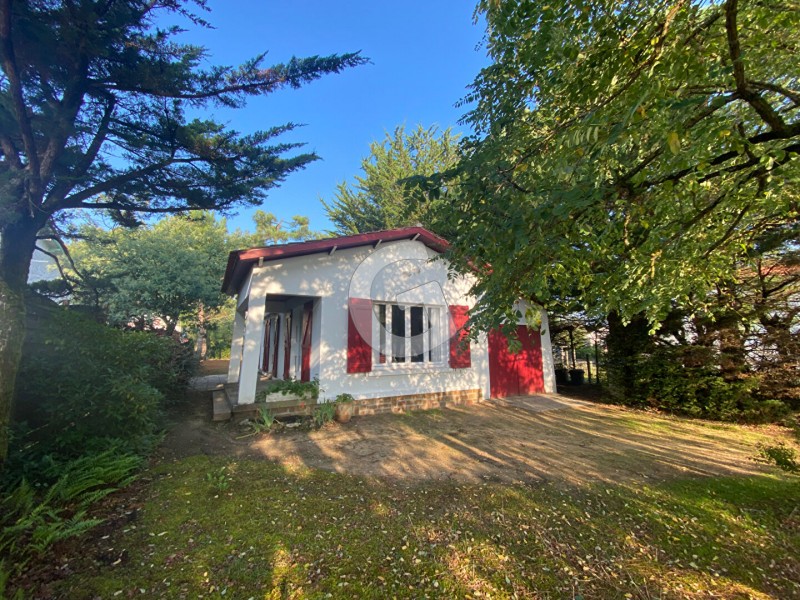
pixel 408 334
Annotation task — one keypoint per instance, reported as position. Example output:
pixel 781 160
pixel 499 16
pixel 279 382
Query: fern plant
pixel 31 521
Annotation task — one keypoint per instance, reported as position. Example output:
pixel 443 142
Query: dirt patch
pixel 213 366
pixel 532 439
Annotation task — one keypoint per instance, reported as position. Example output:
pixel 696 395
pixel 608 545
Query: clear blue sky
pixel 424 54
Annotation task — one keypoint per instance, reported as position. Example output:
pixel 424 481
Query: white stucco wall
pixel 394 272
pixel 402 272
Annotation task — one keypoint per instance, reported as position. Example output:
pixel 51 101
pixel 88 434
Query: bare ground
pixel 531 439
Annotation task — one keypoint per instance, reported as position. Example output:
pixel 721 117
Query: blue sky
pixel 424 55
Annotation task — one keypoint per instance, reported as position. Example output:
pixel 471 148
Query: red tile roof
pixel 240 261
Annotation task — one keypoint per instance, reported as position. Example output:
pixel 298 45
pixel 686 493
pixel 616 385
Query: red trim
pixel 460 355
pixel 240 261
pixel 359 335
pixel 305 344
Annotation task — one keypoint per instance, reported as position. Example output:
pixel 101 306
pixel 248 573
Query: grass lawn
pixel 214 527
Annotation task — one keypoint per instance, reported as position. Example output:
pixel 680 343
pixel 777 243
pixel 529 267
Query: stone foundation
pixel 426 401
pixel 369 406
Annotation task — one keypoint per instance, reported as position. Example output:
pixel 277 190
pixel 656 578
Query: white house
pixel 373 315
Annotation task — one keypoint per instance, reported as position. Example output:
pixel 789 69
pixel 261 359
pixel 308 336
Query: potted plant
pixel 344 408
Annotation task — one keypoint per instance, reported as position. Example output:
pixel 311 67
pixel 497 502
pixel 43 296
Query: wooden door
pixel 515 374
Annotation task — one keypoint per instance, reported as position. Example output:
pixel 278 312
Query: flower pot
pixel 343 412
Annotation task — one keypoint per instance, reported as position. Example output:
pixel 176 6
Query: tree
pixel 271 230
pixel 169 271
pixel 627 152
pixel 94 98
pixel 385 197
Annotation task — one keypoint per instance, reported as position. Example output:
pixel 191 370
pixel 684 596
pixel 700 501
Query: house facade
pixel 376 316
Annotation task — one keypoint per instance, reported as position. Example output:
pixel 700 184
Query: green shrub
pixel 683 381
pixel 86 387
pixel 308 390
pixel 324 413
pixel 780 455
pixel 218 479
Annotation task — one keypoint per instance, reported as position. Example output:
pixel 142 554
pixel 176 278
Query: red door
pixel 515 374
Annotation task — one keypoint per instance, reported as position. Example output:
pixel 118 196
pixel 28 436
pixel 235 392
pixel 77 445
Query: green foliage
pixel 291 387
pixel 265 420
pixel 271 230
pixel 168 270
pixel 32 520
pixel 780 455
pixel 147 153
pixel 344 399
pixel 100 105
pixel 218 479
pixel 86 387
pixel 5 578
pixel 324 413
pixel 385 196
pixel 685 381
pixel 629 153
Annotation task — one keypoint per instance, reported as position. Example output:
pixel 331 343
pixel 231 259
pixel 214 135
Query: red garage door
pixel 515 374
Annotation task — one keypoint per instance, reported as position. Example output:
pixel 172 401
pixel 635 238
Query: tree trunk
pixel 17 242
pixel 201 343
pixel 625 344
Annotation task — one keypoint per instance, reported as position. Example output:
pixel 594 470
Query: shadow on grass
pixel 276 533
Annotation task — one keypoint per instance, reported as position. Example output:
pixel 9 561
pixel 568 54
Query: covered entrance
pixel 518 374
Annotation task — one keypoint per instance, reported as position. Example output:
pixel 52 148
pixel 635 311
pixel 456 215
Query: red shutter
pixel 359 335
pixel 460 357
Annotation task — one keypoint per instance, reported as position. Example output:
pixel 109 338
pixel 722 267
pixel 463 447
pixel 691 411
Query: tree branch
pixel 792 95
pixel 75 200
pixel 15 87
pixel 65 250
pixel 64 276
pixel 789 132
pixel 754 99
pixel 64 185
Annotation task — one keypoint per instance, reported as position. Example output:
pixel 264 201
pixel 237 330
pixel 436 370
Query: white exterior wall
pixel 548 365
pixel 396 271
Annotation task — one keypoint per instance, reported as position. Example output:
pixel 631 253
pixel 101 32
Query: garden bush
pixel 88 407
pixel 84 387
pixel 684 381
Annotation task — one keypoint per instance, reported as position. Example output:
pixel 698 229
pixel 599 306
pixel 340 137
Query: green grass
pixel 272 533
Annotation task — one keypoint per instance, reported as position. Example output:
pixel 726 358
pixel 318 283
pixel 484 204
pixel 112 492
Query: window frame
pixel 435 356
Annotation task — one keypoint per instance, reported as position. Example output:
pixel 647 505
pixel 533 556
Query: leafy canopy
pixel 272 230
pixel 94 105
pixel 385 196
pixel 168 270
pixel 629 152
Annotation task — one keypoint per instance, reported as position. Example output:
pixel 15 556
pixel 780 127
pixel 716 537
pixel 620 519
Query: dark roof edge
pixel 239 261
